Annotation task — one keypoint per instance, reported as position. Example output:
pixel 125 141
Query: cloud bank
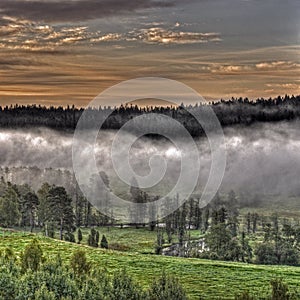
pixel 23 34
pixel 36 25
pixel 262 158
pixel 159 35
pixel 264 66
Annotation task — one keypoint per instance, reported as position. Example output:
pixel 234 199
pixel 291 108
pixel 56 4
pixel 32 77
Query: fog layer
pixel 261 158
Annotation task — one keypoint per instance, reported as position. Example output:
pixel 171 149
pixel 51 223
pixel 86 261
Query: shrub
pixel 8 285
pixel 280 290
pixel 44 294
pixel 79 263
pixel 245 296
pixel 265 254
pixel 123 287
pixel 166 288
pixel 69 237
pixel 32 256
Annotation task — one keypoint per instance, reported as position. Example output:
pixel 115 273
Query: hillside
pixel 201 278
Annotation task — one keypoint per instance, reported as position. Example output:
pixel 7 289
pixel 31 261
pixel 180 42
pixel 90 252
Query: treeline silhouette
pixel 229 112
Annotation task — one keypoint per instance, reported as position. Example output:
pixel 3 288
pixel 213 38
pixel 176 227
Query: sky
pixel 67 52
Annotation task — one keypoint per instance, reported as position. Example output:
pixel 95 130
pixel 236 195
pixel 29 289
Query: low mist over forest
pixel 262 157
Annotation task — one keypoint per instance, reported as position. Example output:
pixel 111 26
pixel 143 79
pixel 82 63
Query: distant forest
pixel 229 112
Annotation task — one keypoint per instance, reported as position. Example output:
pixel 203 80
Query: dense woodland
pixel 224 233
pixel 230 112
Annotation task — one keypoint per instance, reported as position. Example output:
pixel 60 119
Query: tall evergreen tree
pixel 61 209
pixel 31 202
pixel 79 235
pixel 104 242
pixel 9 211
pixel 43 212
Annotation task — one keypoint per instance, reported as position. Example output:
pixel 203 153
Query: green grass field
pixel 130 239
pixel 209 279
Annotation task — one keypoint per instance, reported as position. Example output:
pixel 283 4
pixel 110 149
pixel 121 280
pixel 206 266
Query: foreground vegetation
pixel 200 278
pixel 32 277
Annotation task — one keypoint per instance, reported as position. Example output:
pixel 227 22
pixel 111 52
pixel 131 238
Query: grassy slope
pixel 140 240
pixel 211 279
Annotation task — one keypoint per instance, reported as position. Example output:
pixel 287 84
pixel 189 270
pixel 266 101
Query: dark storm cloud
pixel 78 10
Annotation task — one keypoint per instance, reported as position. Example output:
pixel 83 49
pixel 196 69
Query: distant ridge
pixel 231 112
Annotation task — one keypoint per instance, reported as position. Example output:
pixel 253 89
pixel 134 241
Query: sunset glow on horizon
pixel 67 52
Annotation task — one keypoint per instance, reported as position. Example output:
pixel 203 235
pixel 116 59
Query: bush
pixel 8 285
pixel 244 296
pixel 69 237
pixel 123 288
pixel 265 254
pixel 79 263
pixel 166 288
pixel 44 294
pixel 53 280
pixel 8 254
pixel 118 247
pixel 280 290
pixel 32 256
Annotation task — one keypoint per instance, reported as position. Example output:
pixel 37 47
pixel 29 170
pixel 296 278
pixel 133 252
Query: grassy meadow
pixel 202 279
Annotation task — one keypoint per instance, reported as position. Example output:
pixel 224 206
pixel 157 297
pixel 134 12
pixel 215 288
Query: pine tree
pixel 106 200
pixel 23 204
pixel 198 216
pixel 152 215
pixel 90 240
pixel 43 213
pixel 31 202
pixel 61 209
pixel 206 220
pixel 169 229
pixel 104 243
pixel 9 211
pixel 159 241
pixel 97 236
pixel 79 235
pixel 79 209
pixel 248 221
pixel 93 238
pixel 255 218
